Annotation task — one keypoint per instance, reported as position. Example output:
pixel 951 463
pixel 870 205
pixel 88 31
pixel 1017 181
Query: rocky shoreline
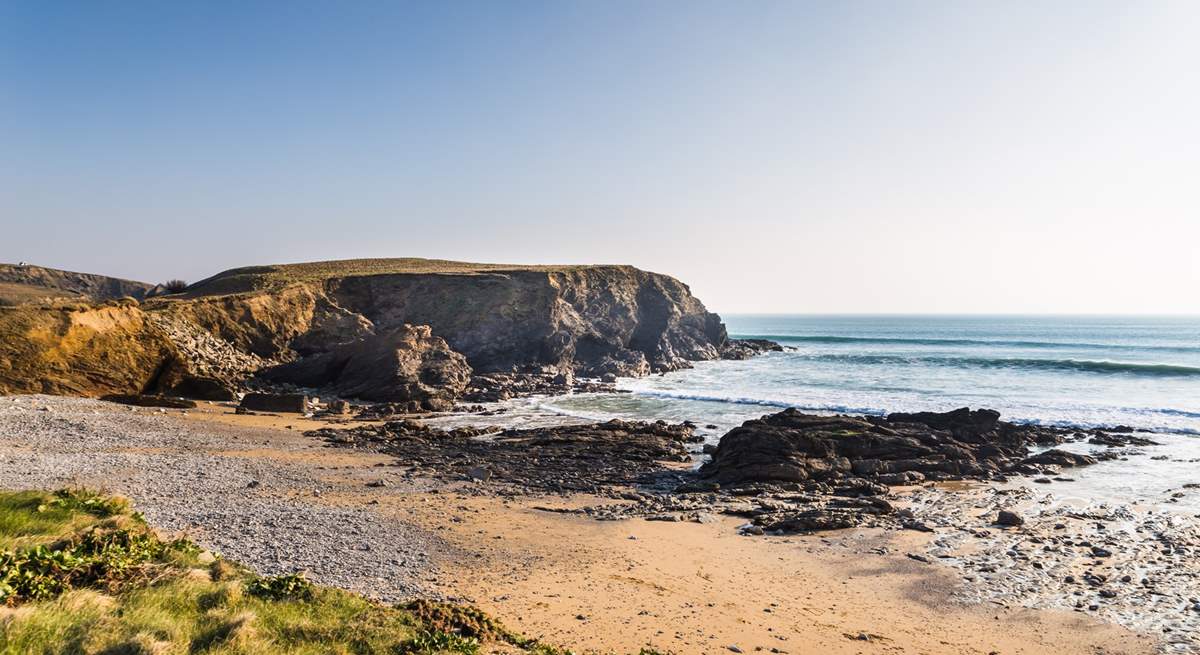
pixel 792 473
pixel 1135 567
pixel 1008 544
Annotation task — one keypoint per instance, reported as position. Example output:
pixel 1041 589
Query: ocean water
pixel 1142 372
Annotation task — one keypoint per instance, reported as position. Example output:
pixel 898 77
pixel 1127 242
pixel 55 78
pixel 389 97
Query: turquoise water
pixel 1143 372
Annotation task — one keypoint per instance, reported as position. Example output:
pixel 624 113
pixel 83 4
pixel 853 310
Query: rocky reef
pixel 591 458
pixel 394 330
pixel 792 446
pixel 784 473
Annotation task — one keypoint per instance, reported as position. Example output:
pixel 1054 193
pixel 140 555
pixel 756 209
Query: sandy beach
pixel 593 586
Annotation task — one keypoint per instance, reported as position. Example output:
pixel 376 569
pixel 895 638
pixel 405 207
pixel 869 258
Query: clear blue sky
pixel 837 156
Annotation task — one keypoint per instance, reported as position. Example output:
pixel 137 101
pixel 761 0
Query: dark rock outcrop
pixel 295 403
pixel 791 446
pixel 404 364
pixel 591 458
pixel 747 348
pixel 141 400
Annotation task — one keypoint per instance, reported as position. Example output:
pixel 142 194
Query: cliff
pixel 586 319
pixel 22 283
pixel 344 325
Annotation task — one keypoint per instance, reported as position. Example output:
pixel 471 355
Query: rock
pixel 1010 519
pixel 141 400
pixel 605 321
pixel 479 473
pixel 204 388
pixel 672 518
pixel 586 457
pixel 405 364
pixel 961 422
pixel 816 519
pixel 747 348
pixel 275 402
pixel 340 407
pixel 791 446
pixel 1059 458
pixel 47 282
pixel 697 487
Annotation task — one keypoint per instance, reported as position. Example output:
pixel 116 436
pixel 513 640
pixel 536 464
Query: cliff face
pixel 591 320
pixel 80 350
pixel 20 283
pixel 594 320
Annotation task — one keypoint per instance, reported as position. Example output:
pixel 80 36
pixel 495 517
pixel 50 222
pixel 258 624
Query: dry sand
pixel 702 588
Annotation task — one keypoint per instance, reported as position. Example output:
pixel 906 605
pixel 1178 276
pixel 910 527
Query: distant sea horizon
pixel 1093 370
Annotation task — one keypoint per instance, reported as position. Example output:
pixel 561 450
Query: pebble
pixel 165 468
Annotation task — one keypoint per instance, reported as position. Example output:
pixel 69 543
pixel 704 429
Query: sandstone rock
pixel 80 350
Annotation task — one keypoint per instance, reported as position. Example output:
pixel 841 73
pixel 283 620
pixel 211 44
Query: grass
pixel 256 278
pixel 81 573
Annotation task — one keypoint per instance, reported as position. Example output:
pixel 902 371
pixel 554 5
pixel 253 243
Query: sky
pixel 946 157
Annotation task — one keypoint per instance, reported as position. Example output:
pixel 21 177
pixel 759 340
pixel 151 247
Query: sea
pixel 1140 372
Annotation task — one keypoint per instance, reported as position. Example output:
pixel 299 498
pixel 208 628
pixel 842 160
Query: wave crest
pixel 1077 365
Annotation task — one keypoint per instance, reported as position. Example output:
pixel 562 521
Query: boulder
pixel 1059 458
pixel 747 348
pixel 147 400
pixel 1010 519
pixel 203 388
pixel 791 446
pixel 275 402
pixel 407 364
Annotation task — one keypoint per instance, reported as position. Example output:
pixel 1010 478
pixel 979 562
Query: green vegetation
pixel 82 573
pixel 175 286
pixel 257 278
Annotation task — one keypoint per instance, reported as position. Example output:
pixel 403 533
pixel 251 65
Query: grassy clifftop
pixel 21 284
pixel 257 278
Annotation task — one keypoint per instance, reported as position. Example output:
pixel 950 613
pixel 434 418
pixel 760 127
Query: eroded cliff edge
pixel 386 329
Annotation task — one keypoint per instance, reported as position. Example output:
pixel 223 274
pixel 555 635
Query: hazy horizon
pixel 781 158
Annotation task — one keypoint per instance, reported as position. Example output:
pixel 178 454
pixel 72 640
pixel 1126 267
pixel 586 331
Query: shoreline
pixel 503 553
